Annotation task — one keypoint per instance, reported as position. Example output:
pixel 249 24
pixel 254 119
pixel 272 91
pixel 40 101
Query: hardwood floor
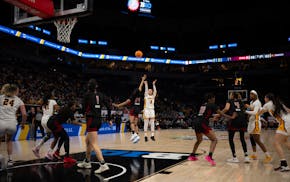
pixel 181 141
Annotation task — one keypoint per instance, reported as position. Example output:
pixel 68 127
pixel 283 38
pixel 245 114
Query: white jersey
pixel 269 107
pixel 255 108
pixel 283 119
pixel 149 101
pixel 48 110
pixel 9 107
pixel 286 119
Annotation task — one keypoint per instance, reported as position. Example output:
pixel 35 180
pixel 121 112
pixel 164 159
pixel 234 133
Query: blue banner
pixel 72 130
pixel 106 128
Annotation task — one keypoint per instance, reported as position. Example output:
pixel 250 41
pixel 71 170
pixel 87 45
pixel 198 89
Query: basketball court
pixel 162 160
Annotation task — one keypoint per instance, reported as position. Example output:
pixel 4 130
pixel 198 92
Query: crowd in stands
pixel 172 110
pixel 36 80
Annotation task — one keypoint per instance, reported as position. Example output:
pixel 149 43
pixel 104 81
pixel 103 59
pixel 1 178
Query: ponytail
pixel 279 106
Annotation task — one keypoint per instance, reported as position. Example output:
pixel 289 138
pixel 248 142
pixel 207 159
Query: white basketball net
pixel 64 28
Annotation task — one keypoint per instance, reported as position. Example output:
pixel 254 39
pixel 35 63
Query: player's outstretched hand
pixel 115 105
pixel 144 77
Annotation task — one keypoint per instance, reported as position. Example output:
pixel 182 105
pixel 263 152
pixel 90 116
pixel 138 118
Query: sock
pixel 283 162
pixel 9 157
pixel 133 132
pixel 103 162
pixel 152 134
pixel 267 154
pixel 38 145
pixel 210 154
pixel 87 160
pixel 246 154
pixel 145 134
pixel 234 155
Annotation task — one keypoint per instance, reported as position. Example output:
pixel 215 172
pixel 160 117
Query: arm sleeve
pixel 154 90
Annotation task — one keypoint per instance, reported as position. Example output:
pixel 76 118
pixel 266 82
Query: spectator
pixel 37 123
pixel 31 121
pixel 118 120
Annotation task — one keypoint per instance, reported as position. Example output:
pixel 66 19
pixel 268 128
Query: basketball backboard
pixel 62 9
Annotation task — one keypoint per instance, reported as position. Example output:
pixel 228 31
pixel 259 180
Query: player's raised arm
pixel 126 102
pixel 146 88
pixel 142 82
pixel 154 88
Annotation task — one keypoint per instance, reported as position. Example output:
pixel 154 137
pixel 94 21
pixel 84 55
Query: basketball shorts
pixel 149 113
pixel 44 121
pixel 54 126
pixel 134 112
pixel 93 124
pixel 8 127
pixel 284 127
pixel 201 127
pixel 254 127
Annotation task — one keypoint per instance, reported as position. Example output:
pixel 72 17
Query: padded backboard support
pixel 61 9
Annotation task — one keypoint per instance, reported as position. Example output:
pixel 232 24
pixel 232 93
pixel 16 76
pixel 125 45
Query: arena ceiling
pixel 189 26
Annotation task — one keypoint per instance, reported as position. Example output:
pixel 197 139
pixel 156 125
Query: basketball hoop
pixel 64 28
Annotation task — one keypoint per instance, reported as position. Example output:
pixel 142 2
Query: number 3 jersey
pixel 149 101
pixel 9 107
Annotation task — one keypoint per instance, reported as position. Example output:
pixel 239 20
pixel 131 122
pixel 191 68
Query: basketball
pixel 138 53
